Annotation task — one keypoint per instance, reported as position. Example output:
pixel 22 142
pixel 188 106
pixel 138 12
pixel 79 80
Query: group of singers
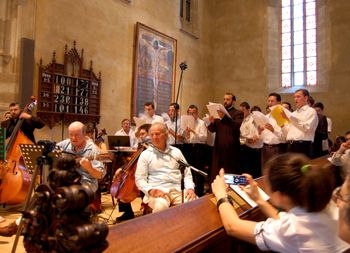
pixel 238 140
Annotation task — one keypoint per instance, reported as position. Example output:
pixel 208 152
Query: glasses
pixel 337 196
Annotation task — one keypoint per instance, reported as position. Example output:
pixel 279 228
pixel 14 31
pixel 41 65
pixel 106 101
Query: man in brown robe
pixel 226 147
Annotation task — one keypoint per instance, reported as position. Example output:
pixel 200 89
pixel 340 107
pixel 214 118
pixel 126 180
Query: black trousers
pixel 270 150
pixel 250 161
pixel 303 147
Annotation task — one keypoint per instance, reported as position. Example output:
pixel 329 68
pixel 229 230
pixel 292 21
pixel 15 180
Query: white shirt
pixel 200 135
pixel 90 150
pixel 160 171
pixel 154 119
pixel 340 159
pixel 171 126
pixel 329 124
pixel 131 134
pixel 275 137
pixel 303 124
pixel 248 131
pixel 300 231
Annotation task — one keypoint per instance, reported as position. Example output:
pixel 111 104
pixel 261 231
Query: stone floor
pixel 11 213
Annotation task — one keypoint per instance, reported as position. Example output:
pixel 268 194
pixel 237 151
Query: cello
pixel 14 177
pixel 124 187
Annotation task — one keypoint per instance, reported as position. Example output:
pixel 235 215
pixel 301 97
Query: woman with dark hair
pixel 300 187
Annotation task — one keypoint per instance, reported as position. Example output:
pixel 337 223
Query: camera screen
pixel 235 179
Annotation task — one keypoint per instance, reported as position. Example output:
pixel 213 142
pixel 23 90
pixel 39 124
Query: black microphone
pixel 183 65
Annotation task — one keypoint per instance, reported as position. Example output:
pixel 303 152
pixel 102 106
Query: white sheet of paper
pixel 187 121
pixel 206 119
pixel 139 121
pixel 213 109
pixel 165 116
pixel 260 119
pixel 245 196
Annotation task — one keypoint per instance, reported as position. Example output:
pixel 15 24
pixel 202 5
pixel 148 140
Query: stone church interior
pixel 100 62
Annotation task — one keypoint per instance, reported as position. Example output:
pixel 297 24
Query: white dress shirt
pixel 200 135
pixel 156 170
pixel 303 124
pixel 329 124
pixel 154 119
pixel 275 137
pixel 340 159
pixel 131 134
pixel 248 131
pixel 171 126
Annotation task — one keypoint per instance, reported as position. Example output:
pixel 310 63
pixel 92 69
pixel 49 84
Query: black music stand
pixel 116 141
pixel 31 153
pixel 40 159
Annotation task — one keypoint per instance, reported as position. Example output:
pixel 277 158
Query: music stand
pixel 118 141
pixel 31 152
pixel 40 160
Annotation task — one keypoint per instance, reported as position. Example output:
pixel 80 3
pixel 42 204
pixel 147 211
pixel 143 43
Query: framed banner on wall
pixel 154 69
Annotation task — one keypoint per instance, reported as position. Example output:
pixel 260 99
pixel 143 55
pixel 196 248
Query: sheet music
pixel 276 113
pixel 260 119
pixel 213 109
pixel 187 121
pixel 165 117
pixel 245 196
pixel 206 119
pixel 139 121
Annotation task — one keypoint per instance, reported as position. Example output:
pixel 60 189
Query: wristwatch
pixel 228 199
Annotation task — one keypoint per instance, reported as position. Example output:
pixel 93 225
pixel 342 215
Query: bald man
pixel 158 175
pixel 83 147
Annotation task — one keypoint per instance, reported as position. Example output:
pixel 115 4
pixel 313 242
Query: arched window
pixel 298 43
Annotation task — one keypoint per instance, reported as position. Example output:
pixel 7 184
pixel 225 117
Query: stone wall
pixel 235 50
pixel 106 30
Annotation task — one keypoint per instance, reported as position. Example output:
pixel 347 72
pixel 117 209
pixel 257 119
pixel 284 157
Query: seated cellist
pixel 142 137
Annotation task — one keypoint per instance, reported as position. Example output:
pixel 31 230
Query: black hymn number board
pixel 67 92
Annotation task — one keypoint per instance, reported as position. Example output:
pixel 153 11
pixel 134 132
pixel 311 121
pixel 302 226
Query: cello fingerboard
pixel 2 144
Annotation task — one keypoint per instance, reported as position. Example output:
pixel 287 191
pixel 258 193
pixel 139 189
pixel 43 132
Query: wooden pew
pixel 191 227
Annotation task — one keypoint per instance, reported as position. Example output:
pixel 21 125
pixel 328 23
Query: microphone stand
pixel 183 66
pixel 182 167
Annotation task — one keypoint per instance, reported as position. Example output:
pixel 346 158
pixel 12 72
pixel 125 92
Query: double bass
pixel 124 187
pixel 14 177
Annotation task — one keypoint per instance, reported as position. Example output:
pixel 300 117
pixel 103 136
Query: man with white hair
pixel 158 173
